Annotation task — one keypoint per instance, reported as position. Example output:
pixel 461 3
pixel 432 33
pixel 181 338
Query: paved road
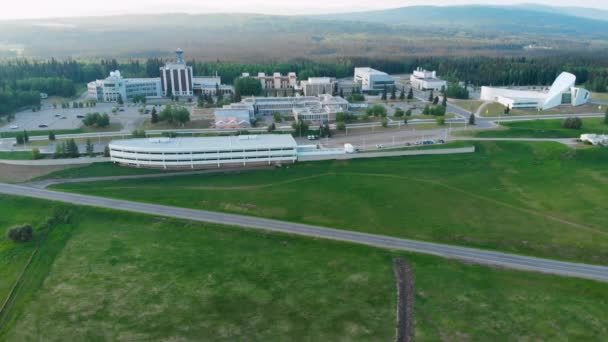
pixel 469 254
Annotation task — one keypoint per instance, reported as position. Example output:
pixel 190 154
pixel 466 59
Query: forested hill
pixel 530 19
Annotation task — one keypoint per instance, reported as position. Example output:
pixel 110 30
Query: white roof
pixel 205 143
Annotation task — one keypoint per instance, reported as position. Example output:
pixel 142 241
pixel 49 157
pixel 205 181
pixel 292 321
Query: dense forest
pixel 20 79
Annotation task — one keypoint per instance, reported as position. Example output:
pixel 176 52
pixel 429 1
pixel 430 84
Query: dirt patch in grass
pixel 24 173
pixel 405 300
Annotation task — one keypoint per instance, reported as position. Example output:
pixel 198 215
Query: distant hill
pixel 583 12
pixel 532 19
pixel 407 31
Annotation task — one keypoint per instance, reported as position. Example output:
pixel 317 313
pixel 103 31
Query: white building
pixel 316 86
pixel 426 80
pixel 563 91
pixel 276 80
pixel 242 150
pixel 210 85
pixel 176 78
pixel 323 108
pixel 234 118
pixel 373 80
pixel 115 86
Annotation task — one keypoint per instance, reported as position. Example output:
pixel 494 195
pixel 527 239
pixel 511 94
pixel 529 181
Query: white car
pixel 14 127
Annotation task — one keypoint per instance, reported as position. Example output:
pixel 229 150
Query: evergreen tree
pixel 402 94
pixel 410 94
pixel 444 102
pixel 472 119
pixel 120 101
pixel 106 151
pixel 436 100
pixel 384 93
pixel 154 116
pixel 51 136
pixel 606 117
pixel 90 148
pixel 431 96
pixel 393 94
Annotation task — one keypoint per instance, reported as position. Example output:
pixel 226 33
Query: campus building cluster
pixel 172 153
pixel 373 80
pixel 176 79
pixel 563 91
pixel 313 109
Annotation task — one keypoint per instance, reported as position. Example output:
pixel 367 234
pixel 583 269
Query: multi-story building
pixel 115 86
pixel 373 80
pixel 426 80
pixel 232 118
pixel 177 77
pixel 276 81
pixel 206 152
pixel 316 86
pixel 210 85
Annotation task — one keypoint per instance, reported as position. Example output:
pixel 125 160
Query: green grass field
pixel 540 199
pixel 111 128
pixel 544 129
pixel 16 155
pixel 112 275
pixel 496 109
pixel 470 105
pixel 600 96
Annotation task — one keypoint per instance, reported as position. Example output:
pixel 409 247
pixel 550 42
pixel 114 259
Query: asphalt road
pixel 518 262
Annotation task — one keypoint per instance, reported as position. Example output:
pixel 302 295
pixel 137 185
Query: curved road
pixel 513 261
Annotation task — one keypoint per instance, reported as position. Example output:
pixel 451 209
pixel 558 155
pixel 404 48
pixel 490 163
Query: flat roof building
pixel 242 150
pixel 373 80
pixel 232 118
pixel 115 86
pixel 276 80
pixel 426 80
pixel 316 86
pixel 563 91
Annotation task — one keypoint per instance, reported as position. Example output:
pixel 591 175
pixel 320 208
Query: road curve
pixel 513 261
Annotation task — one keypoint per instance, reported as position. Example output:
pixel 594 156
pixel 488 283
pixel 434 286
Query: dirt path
pixel 404 278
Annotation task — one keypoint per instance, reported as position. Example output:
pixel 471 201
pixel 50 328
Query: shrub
pixel 36 154
pixel 341 126
pixel 573 123
pixel 399 112
pixel 441 120
pixel 22 233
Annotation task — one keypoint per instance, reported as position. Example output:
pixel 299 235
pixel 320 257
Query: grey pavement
pixel 512 261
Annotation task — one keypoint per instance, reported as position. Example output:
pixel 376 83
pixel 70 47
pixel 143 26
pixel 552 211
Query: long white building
pixel 115 86
pixel 373 80
pixel 426 80
pixel 563 91
pixel 169 153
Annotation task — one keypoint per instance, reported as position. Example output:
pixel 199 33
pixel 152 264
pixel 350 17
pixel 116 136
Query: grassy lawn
pixel 16 155
pixel 544 129
pixel 111 128
pixel 99 170
pixel 470 105
pixel 600 96
pixel 508 196
pixel 194 124
pixel 118 276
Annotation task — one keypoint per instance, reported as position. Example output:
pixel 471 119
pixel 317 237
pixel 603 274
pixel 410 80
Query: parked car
pixel 313 137
pixel 57 115
pixel 428 142
pixel 43 125
pixel 14 127
pixel 80 116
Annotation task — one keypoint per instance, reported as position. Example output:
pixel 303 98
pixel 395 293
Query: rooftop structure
pixel 563 91
pixel 239 150
pixel 595 139
pixel 426 80
pixel 232 118
pixel 373 80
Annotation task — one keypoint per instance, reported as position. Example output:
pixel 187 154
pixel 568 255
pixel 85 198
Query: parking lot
pixel 49 118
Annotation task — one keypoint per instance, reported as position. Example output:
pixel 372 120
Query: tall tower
pixel 180 56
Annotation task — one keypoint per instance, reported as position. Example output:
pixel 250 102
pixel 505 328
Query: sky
pixel 22 9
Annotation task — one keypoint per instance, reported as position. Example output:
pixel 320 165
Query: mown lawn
pixel 16 155
pixel 545 129
pixel 111 275
pixel 99 170
pixel 532 198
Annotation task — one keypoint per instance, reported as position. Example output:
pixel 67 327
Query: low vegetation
pixel 545 129
pixel 190 281
pixel 488 199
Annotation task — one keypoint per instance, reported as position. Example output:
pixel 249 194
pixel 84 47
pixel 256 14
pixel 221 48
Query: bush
pixel 376 110
pixel 36 154
pixel 341 126
pixel 96 119
pixel 356 98
pixel 345 117
pixel 399 112
pixel 573 123
pixel 22 233
pixel 441 120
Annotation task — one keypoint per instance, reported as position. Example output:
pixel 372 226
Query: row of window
pixel 288 156
pixel 207 152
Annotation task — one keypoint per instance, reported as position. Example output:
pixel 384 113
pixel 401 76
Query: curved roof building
pixel 562 91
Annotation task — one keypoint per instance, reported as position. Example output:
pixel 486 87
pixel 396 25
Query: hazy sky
pixel 16 9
